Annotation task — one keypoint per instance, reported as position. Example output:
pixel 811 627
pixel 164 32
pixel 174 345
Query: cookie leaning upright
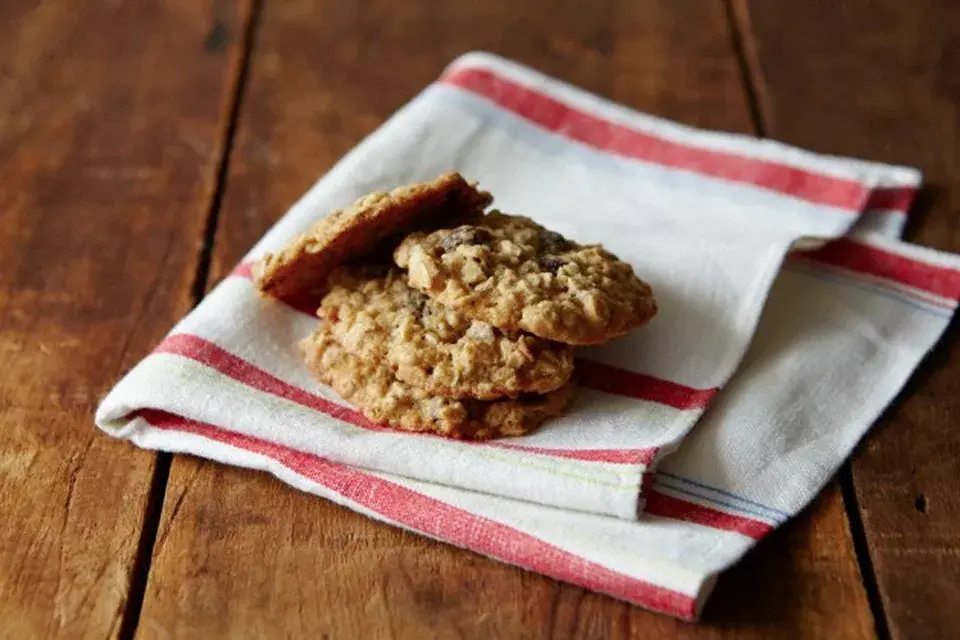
pixel 299 271
pixel 516 275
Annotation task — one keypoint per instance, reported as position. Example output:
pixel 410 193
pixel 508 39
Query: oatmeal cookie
pixel 378 316
pixel 299 271
pixel 370 385
pixel 516 275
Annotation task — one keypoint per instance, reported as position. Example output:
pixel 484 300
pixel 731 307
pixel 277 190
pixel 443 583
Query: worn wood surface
pixel 881 79
pixel 239 554
pixel 110 133
pixel 115 142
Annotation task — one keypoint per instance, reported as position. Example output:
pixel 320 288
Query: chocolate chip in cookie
pixel 465 235
pixel 551 241
pixel 551 264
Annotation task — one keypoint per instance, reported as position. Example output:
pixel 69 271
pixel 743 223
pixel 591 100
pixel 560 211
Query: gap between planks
pixel 744 50
pixel 862 551
pixel 161 474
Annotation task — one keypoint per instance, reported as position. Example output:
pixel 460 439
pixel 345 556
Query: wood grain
pixel 880 79
pixel 240 554
pixel 110 128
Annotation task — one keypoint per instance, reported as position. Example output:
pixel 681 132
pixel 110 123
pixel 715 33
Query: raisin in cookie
pixel 516 275
pixel 378 316
pixel 370 385
pixel 299 271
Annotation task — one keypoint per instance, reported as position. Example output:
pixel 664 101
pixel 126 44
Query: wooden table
pixel 145 145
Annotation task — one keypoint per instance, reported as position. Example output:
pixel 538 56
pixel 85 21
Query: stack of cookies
pixel 436 316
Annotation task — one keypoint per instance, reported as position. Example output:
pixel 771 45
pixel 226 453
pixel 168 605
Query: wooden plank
pixel 110 133
pixel 238 553
pixel 879 79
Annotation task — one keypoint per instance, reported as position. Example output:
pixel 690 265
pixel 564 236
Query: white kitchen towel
pixel 707 218
pixel 843 330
